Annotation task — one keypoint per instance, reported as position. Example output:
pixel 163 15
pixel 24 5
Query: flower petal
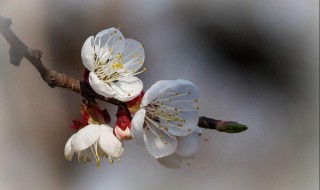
pixel 133 56
pixel 87 53
pixel 158 89
pixel 127 88
pixel 85 137
pixel 158 143
pixel 109 143
pixel 137 131
pixel 171 161
pixel 100 87
pixel 108 43
pixel 68 150
pixel 188 146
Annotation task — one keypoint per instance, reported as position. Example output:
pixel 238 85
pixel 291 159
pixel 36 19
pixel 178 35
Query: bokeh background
pixel 255 62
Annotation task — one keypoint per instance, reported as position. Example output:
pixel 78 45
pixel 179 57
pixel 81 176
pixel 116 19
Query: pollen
pixel 196 100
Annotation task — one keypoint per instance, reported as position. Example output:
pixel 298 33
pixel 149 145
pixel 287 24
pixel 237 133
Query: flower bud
pixel 123 124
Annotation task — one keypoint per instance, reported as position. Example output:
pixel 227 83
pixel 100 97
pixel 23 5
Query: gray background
pixel 255 62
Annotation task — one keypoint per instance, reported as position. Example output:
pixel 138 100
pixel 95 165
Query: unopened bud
pixel 230 127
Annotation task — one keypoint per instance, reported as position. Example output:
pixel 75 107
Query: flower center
pixel 110 68
pixel 164 112
pixel 97 153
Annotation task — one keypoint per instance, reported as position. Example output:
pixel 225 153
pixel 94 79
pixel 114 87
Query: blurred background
pixel 255 62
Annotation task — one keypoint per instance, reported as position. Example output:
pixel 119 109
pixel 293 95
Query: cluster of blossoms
pixel 163 119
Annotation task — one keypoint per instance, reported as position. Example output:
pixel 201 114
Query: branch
pixel 19 50
pixel 51 77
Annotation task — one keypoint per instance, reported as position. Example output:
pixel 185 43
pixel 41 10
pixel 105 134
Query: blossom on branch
pixel 168 110
pixel 94 137
pixel 96 140
pixel 113 62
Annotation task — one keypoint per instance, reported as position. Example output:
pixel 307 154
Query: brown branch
pixel 51 77
pixel 54 79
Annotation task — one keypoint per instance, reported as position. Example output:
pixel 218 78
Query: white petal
pixel 100 87
pixel 68 150
pixel 137 131
pixel 86 137
pixel 188 94
pixel 158 143
pixel 158 89
pixel 87 53
pixel 188 146
pixel 133 56
pixel 171 161
pixel 109 143
pixel 127 88
pixel 106 40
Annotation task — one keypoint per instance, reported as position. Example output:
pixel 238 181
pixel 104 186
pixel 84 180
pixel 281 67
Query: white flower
pixel 113 61
pixel 188 148
pixel 167 110
pixel 98 140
